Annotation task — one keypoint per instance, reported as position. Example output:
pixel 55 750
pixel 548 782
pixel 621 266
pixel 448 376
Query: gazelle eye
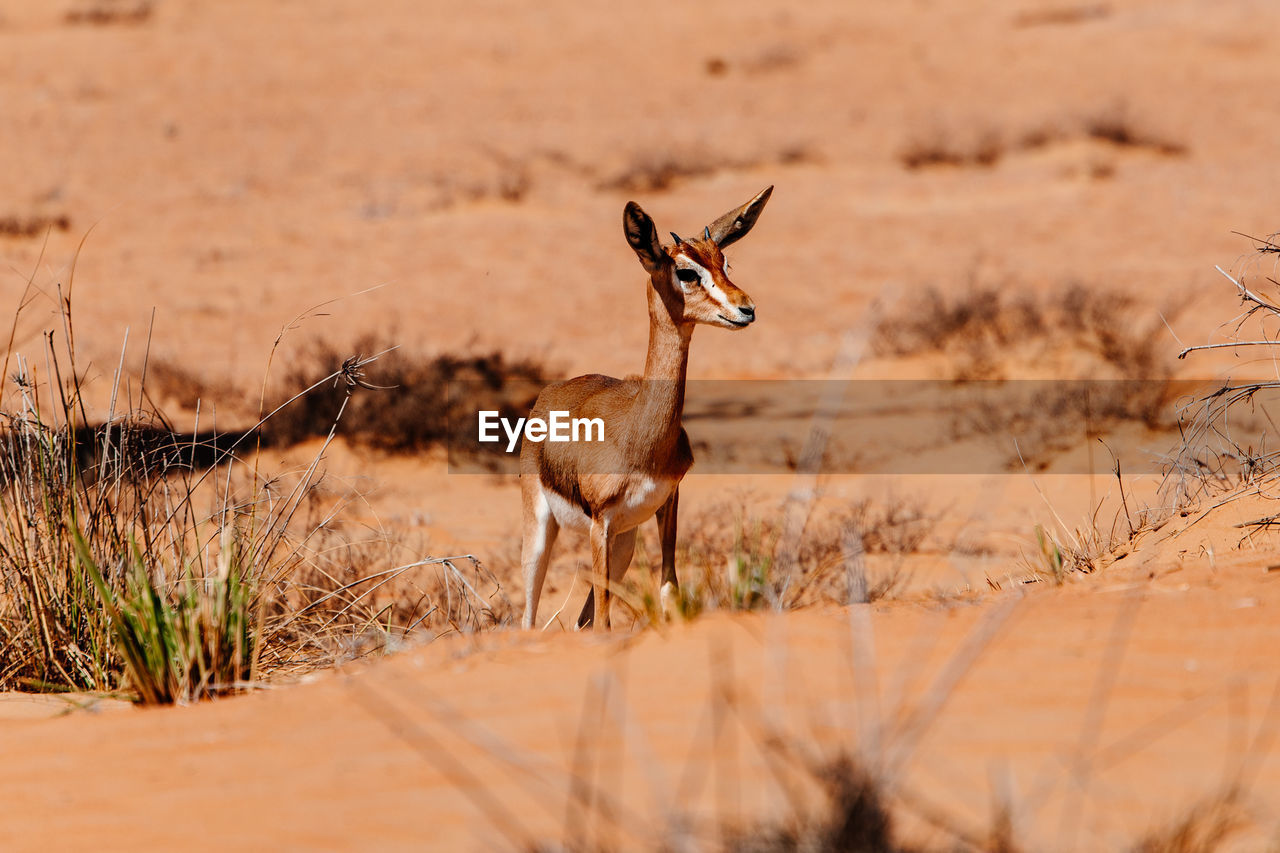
pixel 687 276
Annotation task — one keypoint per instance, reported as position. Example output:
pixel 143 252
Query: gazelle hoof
pixel 669 599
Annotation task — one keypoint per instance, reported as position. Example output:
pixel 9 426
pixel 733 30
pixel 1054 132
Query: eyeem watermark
pixel 558 427
pixel 893 427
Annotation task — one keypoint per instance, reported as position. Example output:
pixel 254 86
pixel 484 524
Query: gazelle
pixel 611 487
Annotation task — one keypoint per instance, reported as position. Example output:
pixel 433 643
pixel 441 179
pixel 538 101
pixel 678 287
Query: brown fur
pixel 635 472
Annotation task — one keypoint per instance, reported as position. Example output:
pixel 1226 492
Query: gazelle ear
pixel 735 224
pixel 643 237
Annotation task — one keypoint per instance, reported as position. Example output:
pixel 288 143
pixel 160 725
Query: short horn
pixel 676 237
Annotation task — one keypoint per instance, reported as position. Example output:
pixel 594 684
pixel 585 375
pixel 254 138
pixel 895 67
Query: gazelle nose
pixel 747 311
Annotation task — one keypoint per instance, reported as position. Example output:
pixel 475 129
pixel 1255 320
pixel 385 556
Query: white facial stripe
pixel 708 283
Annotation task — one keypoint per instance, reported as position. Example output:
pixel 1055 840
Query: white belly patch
pixel 641 500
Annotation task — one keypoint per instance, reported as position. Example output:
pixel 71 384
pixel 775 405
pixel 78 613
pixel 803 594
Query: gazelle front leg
pixel 600 572
pixel 540 530
pixel 669 592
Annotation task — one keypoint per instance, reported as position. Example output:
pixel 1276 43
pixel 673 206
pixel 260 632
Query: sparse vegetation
pixel 1222 452
pixel 169 380
pixel 835 690
pixel 1225 446
pixel 418 401
pixel 1204 828
pixel 115 576
pixel 939 150
pixel 982 329
pixel 852 815
pixel 978 324
pixel 1055 560
pixel 104 13
pixel 347 598
pixel 110 577
pixel 1111 127
pixel 855 814
pixel 654 172
pixel 837 801
pixel 33 226
pixel 735 566
pixel 1117 128
pixel 1062 15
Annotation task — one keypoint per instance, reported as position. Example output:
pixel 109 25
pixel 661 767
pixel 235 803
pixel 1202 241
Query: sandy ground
pixel 1097 713
pixel 453 182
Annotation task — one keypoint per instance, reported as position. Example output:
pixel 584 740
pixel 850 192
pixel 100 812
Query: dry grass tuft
pixel 852 814
pixel 1203 829
pixel 110 577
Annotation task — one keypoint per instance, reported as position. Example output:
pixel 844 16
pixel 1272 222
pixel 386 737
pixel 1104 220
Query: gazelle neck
pixel 660 403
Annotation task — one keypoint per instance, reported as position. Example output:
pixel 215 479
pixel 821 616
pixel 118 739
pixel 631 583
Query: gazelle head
pixel 690 275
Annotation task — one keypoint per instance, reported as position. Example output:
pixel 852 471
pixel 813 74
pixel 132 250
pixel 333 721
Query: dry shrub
pixel 830 565
pixel 105 13
pixel 420 400
pixel 1223 451
pixel 1062 15
pixel 33 226
pixel 937 149
pixel 169 381
pixel 1226 446
pixel 979 325
pixel 508 180
pixel 779 56
pixel 659 171
pixel 1113 127
pixel 1116 127
pixel 1107 337
pixel 729 561
pixel 894 526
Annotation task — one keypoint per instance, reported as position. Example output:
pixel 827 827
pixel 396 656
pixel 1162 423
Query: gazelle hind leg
pixel 600 572
pixel 620 553
pixel 669 592
pixel 540 529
